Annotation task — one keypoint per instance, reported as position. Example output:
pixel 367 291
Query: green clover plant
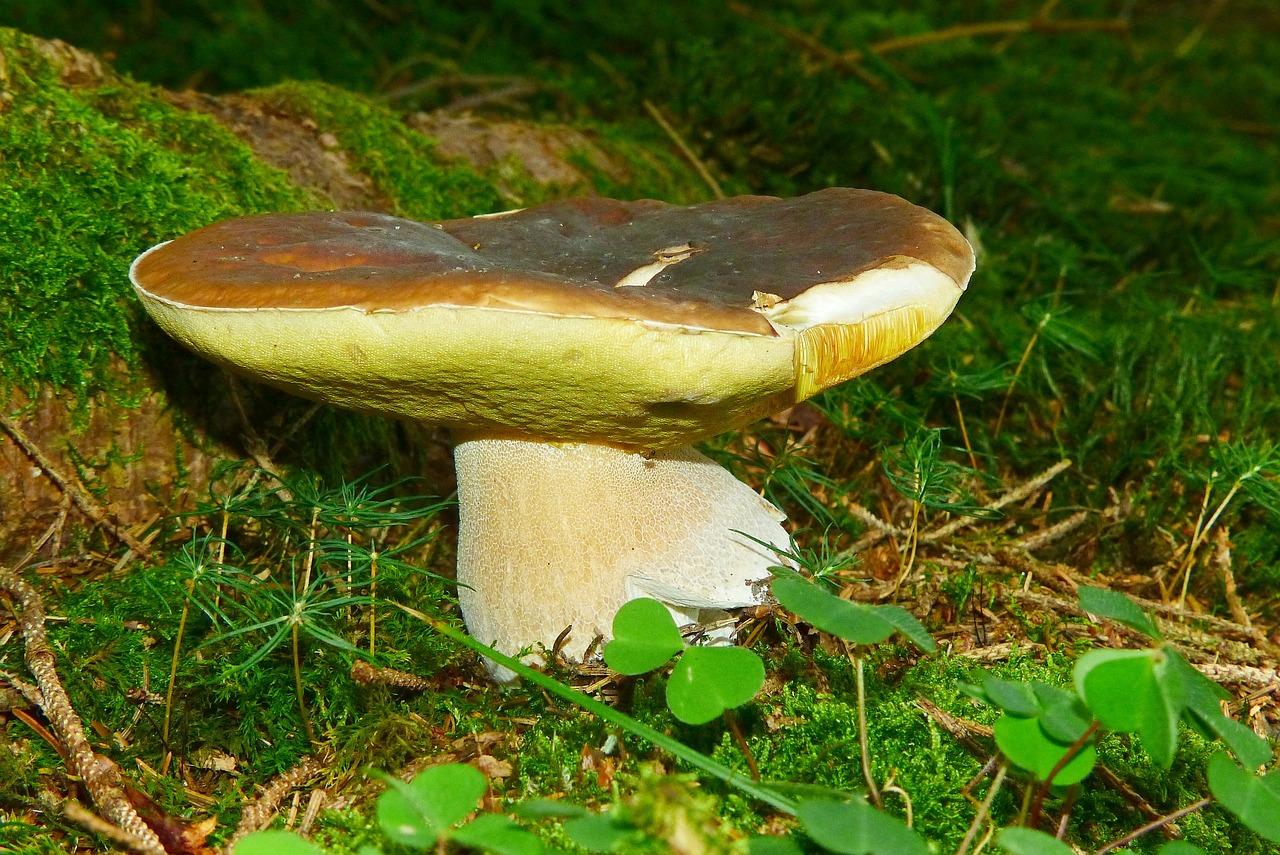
pixel 1050 732
pixel 705 682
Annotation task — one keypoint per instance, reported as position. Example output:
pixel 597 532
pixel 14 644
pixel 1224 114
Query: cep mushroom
pixel 575 350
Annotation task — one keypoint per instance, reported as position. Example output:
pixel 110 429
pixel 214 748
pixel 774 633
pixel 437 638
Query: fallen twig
pixel 1017 494
pixel 1153 825
pixel 811 46
pixel 1223 559
pixel 978 29
pixel 85 818
pixel 83 501
pixel 101 776
pixel 1243 675
pixel 851 60
pixel 1046 536
pixel 684 147
pixel 371 675
pixel 257 815
pixel 1206 645
pixel 881 529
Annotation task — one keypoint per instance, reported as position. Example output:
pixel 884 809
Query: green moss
pixel 401 161
pixel 88 179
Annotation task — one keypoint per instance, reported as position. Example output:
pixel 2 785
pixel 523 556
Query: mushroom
pixel 575 350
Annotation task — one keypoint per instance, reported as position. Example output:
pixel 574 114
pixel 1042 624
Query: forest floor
pixel 1100 412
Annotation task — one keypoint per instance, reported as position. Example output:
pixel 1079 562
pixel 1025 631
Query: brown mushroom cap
pixel 639 324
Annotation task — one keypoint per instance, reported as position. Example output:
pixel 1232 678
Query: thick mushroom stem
pixel 554 535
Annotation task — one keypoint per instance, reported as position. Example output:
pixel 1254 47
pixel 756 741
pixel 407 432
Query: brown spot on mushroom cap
pixel 560 258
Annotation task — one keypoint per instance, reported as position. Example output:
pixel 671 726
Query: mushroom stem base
pixel 557 535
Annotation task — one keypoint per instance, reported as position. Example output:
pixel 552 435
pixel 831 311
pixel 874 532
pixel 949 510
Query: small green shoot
pixel 1047 318
pixel 974 385
pixel 329 534
pixel 705 681
pixel 200 561
pixel 918 470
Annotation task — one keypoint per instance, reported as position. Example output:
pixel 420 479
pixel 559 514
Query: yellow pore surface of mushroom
pixel 633 383
pixel 562 534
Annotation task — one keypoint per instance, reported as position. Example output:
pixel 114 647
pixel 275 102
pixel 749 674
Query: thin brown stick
pixel 373 603
pixel 86 818
pixel 256 816
pixel 1017 373
pixel 40 730
pixel 741 741
pixel 880 529
pixel 1046 536
pixel 810 45
pixel 1070 754
pixel 964 432
pixel 83 501
pixel 297 682
pixel 54 527
pixel 101 776
pixel 1017 494
pixel 988 28
pixel 173 669
pixel 909 806
pixel 371 675
pixel 967 733
pixel 1223 559
pixel 983 810
pixel 685 148
pixel 1152 826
